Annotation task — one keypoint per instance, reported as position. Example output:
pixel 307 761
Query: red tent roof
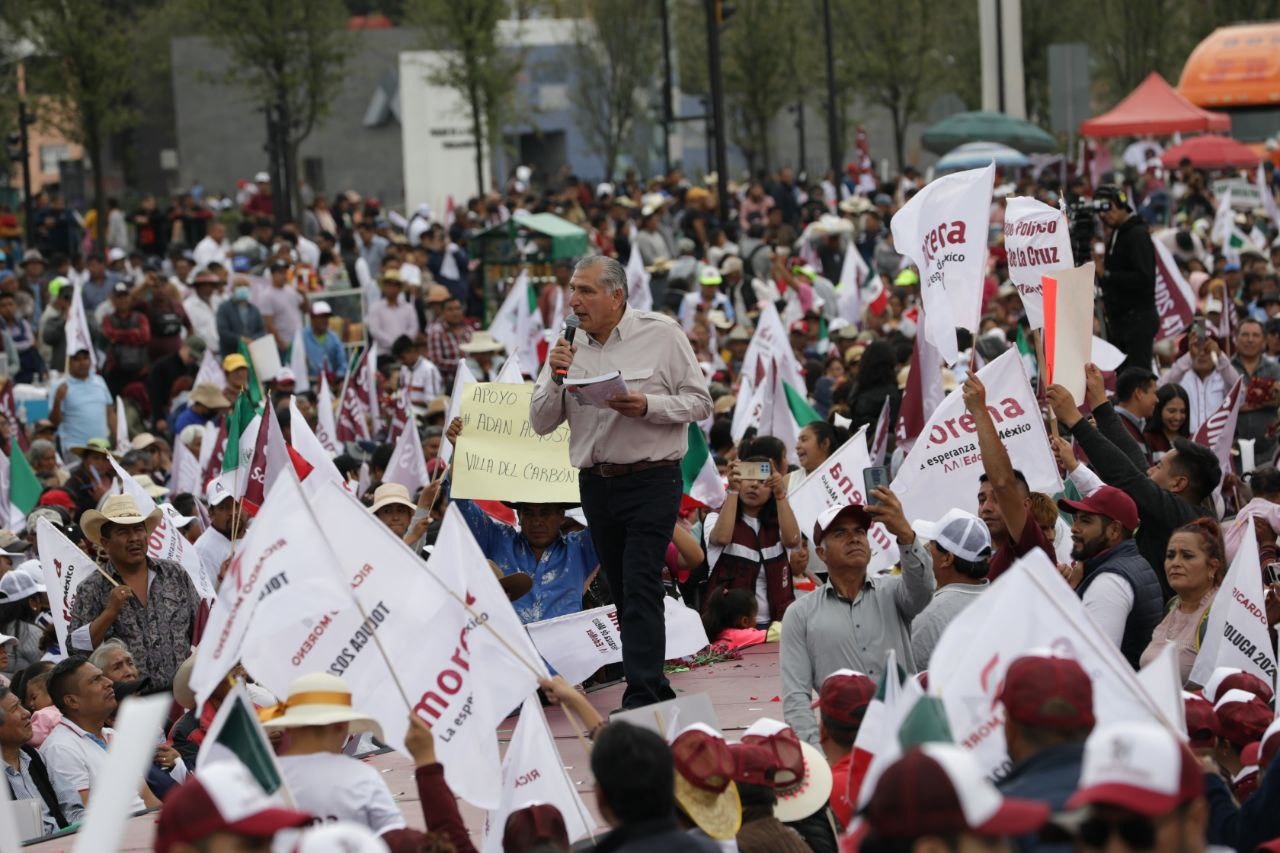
pixel 1211 152
pixel 1154 108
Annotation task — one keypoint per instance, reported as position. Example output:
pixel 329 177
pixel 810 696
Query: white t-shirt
pixel 337 787
pixel 73 756
pixel 713 557
pixel 1108 600
pixel 213 548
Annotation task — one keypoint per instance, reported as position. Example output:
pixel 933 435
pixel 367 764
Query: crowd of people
pixel 138 353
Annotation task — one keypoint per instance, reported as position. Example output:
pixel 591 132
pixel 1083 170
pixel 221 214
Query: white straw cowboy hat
pixel 117 509
pixel 483 341
pixel 318 699
pixel 389 494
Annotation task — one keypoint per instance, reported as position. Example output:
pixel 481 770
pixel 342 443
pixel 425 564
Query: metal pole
pixel 833 122
pixel 668 110
pixel 717 106
pixel 29 224
pixel 804 156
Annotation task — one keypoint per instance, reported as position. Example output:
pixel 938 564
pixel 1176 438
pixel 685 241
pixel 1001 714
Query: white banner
pixel 166 541
pixel 943 230
pixel 76 329
pixel 639 295
pixel 1037 242
pixel 942 470
pixel 839 481
pixel 532 772
pixel 461 380
pixel 407 465
pixel 326 427
pixel 1236 634
pixel 578 644
pixel 1069 343
pixel 308 445
pixel 65 567
pixel 1036 612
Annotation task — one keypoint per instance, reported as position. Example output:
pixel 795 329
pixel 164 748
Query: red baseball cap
pixel 1242 717
pixel 845 695
pixel 1137 766
pixel 1054 692
pixel 532 825
pixel 1108 501
pixel 225 798
pixel 939 789
pixel 1202 722
pixel 1226 678
pixel 755 764
pixel 1269 745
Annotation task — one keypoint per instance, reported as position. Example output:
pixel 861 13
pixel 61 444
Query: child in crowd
pixel 730 621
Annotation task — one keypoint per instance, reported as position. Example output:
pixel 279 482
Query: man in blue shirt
pixel 82 405
pixel 324 349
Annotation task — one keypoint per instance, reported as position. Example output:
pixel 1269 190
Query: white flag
pixel 64 566
pixel 518 323
pixel 184 473
pixel 1038 243
pixel 942 469
pixel 1069 342
pixel 407 465
pixel 639 296
pixel 853 272
pixel 510 372
pixel 943 230
pixel 532 772
pixel 77 330
pixel 770 342
pixel 308 445
pixel 836 482
pixel 210 371
pixel 122 428
pixel 166 541
pixel 461 379
pixel 326 427
pixel 1224 219
pixel 578 644
pixel 1218 432
pixel 1236 634
pixel 298 364
pixel 1162 679
pixel 1036 612
pixel 1268 197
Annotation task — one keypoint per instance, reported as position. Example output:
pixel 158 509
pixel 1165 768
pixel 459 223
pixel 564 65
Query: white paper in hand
pixel 597 390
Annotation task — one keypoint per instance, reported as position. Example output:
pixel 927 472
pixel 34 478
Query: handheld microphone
pixel 571 324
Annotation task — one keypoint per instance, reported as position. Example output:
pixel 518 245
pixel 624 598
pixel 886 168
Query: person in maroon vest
pixel 749 538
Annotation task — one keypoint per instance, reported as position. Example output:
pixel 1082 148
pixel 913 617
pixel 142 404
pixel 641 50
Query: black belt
pixel 610 469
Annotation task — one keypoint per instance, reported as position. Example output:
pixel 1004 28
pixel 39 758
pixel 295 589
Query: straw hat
pixel 181 689
pixel 705 789
pixel 804 785
pixel 318 699
pixel 389 494
pixel 93 445
pixel 117 509
pixel 515 585
pixel 724 405
pixel 438 406
pixel 153 489
pixel 436 293
pixel 208 395
pixel 142 441
pixel 483 341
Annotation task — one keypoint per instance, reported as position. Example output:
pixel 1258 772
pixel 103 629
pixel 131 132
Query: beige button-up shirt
pixel 655 359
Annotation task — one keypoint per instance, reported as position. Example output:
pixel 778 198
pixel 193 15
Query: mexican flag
pixel 236 735
pixel 253 386
pixel 784 411
pixel 702 483
pixel 518 323
pixel 24 488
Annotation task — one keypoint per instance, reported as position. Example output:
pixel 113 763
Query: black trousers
pixel 631 519
pixel 1134 334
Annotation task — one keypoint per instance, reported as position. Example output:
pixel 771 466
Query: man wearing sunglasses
pixel 1140 789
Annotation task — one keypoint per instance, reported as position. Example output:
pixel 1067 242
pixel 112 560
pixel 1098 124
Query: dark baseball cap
pixel 1108 501
pixel 1053 692
pixel 845 695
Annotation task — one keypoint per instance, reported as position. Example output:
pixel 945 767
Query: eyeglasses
pixel 1137 833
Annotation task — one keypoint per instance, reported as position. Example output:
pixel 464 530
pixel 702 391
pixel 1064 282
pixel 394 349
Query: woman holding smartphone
pixel 748 539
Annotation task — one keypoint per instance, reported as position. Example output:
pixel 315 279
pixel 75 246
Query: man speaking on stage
pixel 627 450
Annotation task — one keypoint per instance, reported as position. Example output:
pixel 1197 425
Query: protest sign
pixel 578 644
pixel 131 751
pixel 1175 303
pixel 1244 194
pixel 1037 613
pixel 500 457
pixel 1236 634
pixel 942 469
pixel 265 354
pixel 64 566
pixel 532 772
pixel 943 230
pixel 1068 326
pixel 1038 243
pixel 1219 430
pixel 839 481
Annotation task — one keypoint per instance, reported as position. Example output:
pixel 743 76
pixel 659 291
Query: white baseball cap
pixel 17 585
pixel 958 532
pixel 1138 766
pixel 176 518
pixel 262 178
pixel 321 308
pixel 217 492
pixel 116 254
pixel 831 513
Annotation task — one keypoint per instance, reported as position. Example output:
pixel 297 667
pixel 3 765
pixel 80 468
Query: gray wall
pixel 222 135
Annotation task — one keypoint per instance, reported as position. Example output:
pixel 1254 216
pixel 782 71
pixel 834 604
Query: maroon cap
pixel 844 696
pixel 1202 722
pixel 532 825
pixel 1225 678
pixel 1108 501
pixel 1269 745
pixel 1243 722
pixel 1048 691
pixel 785 746
pixel 703 760
pixel 755 764
pixel 939 789
pixel 191 812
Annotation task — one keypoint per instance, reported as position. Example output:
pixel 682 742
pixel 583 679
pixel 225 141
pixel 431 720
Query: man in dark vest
pixel 1118 587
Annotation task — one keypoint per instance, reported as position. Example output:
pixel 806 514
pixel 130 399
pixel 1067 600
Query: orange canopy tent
pixel 1154 109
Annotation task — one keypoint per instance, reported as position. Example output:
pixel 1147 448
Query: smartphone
pixel 1272 572
pixel 875 477
pixel 754 470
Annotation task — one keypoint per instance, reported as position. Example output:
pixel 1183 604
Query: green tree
pixel 83 72
pixel 615 51
pixel 476 63
pixel 289 55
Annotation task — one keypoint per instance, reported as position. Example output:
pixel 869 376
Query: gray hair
pixel 613 275
pixel 39 448
pixel 99 655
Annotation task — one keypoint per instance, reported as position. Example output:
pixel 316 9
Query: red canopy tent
pixel 1211 152
pixel 1155 108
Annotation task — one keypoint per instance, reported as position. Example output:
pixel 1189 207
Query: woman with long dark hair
pixel 1170 420
pixel 877 380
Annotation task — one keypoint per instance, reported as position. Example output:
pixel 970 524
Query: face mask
pixel 242 293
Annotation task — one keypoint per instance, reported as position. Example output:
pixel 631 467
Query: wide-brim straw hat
pixel 318 699
pixel 208 395
pixel 515 585
pixel 483 341
pixel 94 445
pixel 117 509
pixel 389 494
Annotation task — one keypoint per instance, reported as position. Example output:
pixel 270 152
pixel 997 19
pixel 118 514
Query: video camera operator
pixel 1128 278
